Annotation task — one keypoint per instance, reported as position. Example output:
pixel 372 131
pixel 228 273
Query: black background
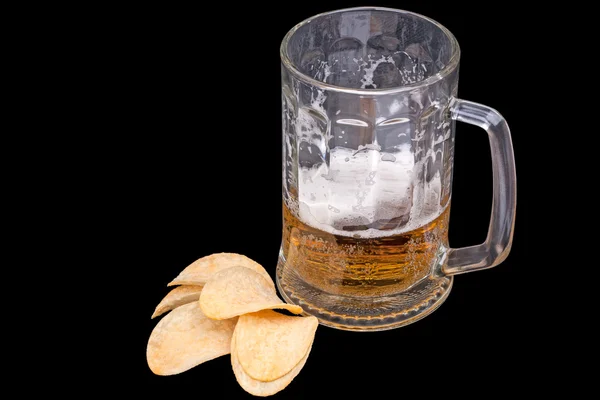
pixel 201 89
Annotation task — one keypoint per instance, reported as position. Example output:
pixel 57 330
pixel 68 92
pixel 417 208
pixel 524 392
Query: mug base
pixel 364 313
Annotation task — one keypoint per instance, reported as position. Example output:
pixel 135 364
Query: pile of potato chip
pixel 224 305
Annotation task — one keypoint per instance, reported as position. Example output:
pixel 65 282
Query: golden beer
pixel 362 267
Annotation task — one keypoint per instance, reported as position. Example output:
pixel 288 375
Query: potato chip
pixel 270 344
pixel 256 387
pixel 237 290
pixel 185 338
pixel 200 271
pixel 177 297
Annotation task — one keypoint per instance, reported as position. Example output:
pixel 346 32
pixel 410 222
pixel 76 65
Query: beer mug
pixel 369 110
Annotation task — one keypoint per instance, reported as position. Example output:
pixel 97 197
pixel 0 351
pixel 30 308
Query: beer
pixel 355 264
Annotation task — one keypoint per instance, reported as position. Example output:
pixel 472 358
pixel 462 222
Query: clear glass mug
pixel 369 111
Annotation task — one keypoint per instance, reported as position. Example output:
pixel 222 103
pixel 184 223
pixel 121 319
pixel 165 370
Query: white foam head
pixel 361 187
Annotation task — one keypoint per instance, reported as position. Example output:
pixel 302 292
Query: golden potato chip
pixel 270 344
pixel 185 338
pixel 199 272
pixel 259 388
pixel 177 297
pixel 237 290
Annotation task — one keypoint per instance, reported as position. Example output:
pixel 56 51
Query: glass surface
pixel 369 110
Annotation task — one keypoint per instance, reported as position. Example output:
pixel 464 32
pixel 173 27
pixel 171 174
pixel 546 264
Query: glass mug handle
pixel 497 244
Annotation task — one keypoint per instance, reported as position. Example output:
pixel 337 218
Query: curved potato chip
pixel 177 297
pixel 200 271
pixel 186 338
pixel 269 344
pixel 237 290
pixel 258 388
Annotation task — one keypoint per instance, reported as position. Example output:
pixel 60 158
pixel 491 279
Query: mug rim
pixel 448 68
